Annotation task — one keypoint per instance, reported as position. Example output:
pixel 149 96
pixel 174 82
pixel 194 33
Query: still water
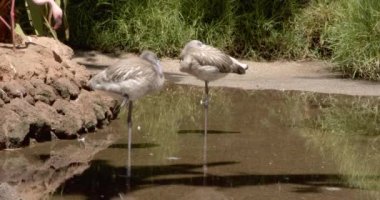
pixel 261 145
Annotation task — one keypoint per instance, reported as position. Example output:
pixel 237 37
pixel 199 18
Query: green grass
pixel 354 38
pixel 307 32
pixel 242 28
pixel 345 32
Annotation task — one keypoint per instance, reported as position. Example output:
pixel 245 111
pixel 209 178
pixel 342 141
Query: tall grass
pixel 343 31
pixel 354 37
pixel 240 27
pixel 128 25
pixel 307 32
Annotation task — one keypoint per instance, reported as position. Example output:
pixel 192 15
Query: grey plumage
pixel 133 77
pixel 208 63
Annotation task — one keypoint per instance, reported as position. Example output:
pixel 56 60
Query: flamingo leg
pixel 13 23
pixel 5 23
pixel 129 120
pixel 205 103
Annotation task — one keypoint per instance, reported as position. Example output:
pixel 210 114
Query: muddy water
pixel 261 145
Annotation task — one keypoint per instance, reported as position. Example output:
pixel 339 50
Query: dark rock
pixel 51 123
pixel 40 123
pixel 44 93
pixel 14 89
pixel 66 88
pixel 13 129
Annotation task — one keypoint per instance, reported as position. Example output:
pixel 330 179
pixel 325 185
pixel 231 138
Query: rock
pixel 71 121
pixel 7 192
pixel 13 129
pixel 56 70
pixel 42 118
pixel 7 69
pixel 53 120
pixel 49 113
pixel 26 111
pixel 37 85
pixel 81 75
pixel 14 89
pixel 4 96
pixel 29 99
pixel 87 113
pixel 44 93
pixel 39 124
pixel 66 88
pixel 28 64
pixel 103 105
pixel 63 51
pixel 27 85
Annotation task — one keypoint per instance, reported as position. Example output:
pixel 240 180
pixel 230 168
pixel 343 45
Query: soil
pixel 311 76
pixel 43 95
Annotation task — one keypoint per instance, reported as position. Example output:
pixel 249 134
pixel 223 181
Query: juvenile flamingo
pixel 207 63
pixel 131 78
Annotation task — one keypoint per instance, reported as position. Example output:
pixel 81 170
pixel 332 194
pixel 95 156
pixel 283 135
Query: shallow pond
pixel 261 145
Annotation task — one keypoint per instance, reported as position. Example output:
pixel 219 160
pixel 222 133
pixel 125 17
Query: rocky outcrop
pixel 43 95
pixel 35 176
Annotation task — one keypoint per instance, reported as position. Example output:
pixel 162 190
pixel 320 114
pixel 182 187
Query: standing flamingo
pixel 132 78
pixel 55 9
pixel 207 64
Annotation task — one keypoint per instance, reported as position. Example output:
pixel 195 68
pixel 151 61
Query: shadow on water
pixel 262 145
pixel 103 180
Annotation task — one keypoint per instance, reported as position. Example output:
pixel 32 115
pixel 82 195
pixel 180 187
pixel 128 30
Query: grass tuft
pixel 354 37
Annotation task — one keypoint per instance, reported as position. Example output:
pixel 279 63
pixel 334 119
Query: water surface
pixel 261 145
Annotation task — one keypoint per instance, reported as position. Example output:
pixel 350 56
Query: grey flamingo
pixel 207 63
pixel 132 78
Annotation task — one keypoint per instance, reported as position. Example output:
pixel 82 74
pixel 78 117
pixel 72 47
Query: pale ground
pixel 303 76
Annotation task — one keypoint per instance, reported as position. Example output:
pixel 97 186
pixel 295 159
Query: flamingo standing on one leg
pixel 132 78
pixel 207 64
pixel 55 9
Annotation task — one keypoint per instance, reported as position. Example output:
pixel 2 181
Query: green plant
pixel 307 31
pixel 354 38
pixel 241 28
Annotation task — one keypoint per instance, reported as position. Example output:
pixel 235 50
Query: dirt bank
pixel 43 95
pixel 315 76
